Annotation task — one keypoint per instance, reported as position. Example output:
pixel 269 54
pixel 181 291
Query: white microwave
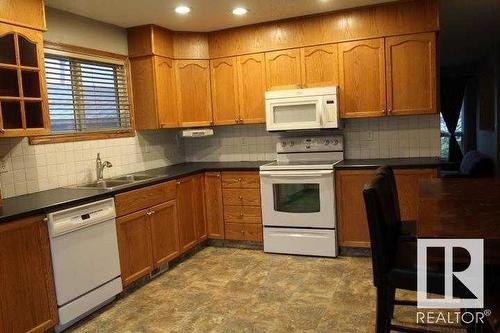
pixel 302 109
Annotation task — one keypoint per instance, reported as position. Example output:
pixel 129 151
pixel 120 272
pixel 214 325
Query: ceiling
pixel 206 15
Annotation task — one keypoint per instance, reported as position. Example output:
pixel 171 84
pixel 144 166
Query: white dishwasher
pixel 84 258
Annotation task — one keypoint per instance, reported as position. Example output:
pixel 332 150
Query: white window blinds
pixel 86 95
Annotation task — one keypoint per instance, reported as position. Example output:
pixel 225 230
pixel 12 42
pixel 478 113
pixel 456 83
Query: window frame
pixel 97 55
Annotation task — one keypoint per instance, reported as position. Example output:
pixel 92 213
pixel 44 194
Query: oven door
pixel 303 199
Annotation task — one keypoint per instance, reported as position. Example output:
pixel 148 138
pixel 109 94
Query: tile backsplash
pixel 35 168
pixel 414 136
pixel 29 169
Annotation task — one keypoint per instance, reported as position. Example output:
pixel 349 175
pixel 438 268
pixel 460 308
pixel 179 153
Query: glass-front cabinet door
pixel 23 97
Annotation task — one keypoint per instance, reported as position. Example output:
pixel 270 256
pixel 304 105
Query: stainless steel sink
pixel 115 182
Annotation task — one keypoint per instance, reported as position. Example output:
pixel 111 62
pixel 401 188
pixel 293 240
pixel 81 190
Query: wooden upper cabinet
pixel 224 80
pixel 213 205
pixel 283 69
pixel 320 66
pixel 134 245
pixel 193 92
pixel 25 13
pixel 362 78
pixel 23 92
pixel 252 88
pixel 199 207
pixel 164 232
pixel 411 74
pixel 186 213
pixel 27 295
pixel 153 84
pixel 165 92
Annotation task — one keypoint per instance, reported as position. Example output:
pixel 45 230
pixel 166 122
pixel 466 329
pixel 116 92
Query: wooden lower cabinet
pixel 214 212
pixel 199 207
pixel 188 228
pixel 351 216
pixel 244 231
pixel 27 295
pixel 134 244
pixel 164 232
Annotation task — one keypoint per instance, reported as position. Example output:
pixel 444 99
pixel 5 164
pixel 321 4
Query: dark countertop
pixel 397 163
pixel 60 198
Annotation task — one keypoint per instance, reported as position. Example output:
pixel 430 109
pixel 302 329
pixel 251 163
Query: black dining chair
pixel 394 259
pixel 408 228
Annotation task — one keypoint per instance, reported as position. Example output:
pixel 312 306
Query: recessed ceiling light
pixel 240 11
pixel 182 10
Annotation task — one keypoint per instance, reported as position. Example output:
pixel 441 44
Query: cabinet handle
pixel 240 197
pixel 149 213
pixel 389 111
pixel 45 219
pixel 2 131
pixel 241 214
pixel 240 179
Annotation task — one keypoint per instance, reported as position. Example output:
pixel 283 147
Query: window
pixel 87 94
pixel 445 134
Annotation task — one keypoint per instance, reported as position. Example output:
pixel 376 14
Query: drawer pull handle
pixel 241 214
pixel 240 179
pixel 240 197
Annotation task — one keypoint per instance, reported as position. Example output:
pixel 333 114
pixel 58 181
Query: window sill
pixel 60 138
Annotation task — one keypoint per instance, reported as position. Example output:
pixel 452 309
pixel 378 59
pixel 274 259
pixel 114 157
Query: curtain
pixel 470 115
pixel 452 96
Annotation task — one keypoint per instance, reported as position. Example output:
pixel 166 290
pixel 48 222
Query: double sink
pixel 116 182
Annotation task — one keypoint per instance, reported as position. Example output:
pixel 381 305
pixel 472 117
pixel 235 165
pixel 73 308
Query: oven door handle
pixel 315 173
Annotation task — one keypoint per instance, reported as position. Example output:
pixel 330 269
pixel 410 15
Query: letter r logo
pixel 470 278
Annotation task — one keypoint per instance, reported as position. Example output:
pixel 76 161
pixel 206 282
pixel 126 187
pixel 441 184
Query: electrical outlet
pixel 3 166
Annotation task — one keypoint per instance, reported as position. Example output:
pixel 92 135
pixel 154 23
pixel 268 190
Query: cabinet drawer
pixel 132 201
pixel 242 214
pixel 238 197
pixel 240 180
pixel 242 231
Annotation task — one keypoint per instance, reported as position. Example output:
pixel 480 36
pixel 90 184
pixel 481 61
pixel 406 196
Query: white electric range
pixel 298 196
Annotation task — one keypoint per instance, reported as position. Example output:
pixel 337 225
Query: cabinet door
pixel 411 74
pixel 199 207
pixel 320 67
pixel 165 93
pixel 134 245
pixel 193 92
pixel 27 295
pixel 252 88
pixel 351 214
pixel 283 69
pixel 362 78
pixel 213 204
pixel 186 213
pixel 224 91
pixel 142 71
pixel 408 188
pixel 164 232
pixel 23 91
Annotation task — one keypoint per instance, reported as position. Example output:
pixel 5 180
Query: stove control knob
pixel 327 142
pixel 336 142
pixel 283 144
pixel 292 143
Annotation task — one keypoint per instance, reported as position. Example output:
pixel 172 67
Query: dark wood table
pixel 461 208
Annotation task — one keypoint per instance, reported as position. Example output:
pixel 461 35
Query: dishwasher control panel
pixel 71 219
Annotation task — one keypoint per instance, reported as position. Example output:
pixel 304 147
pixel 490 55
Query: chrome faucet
pixel 99 167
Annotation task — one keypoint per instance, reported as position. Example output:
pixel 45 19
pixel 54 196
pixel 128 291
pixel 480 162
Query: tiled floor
pixel 236 290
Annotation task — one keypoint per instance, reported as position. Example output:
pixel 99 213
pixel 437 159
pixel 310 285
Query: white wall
pixel 42 167
pixel 67 28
